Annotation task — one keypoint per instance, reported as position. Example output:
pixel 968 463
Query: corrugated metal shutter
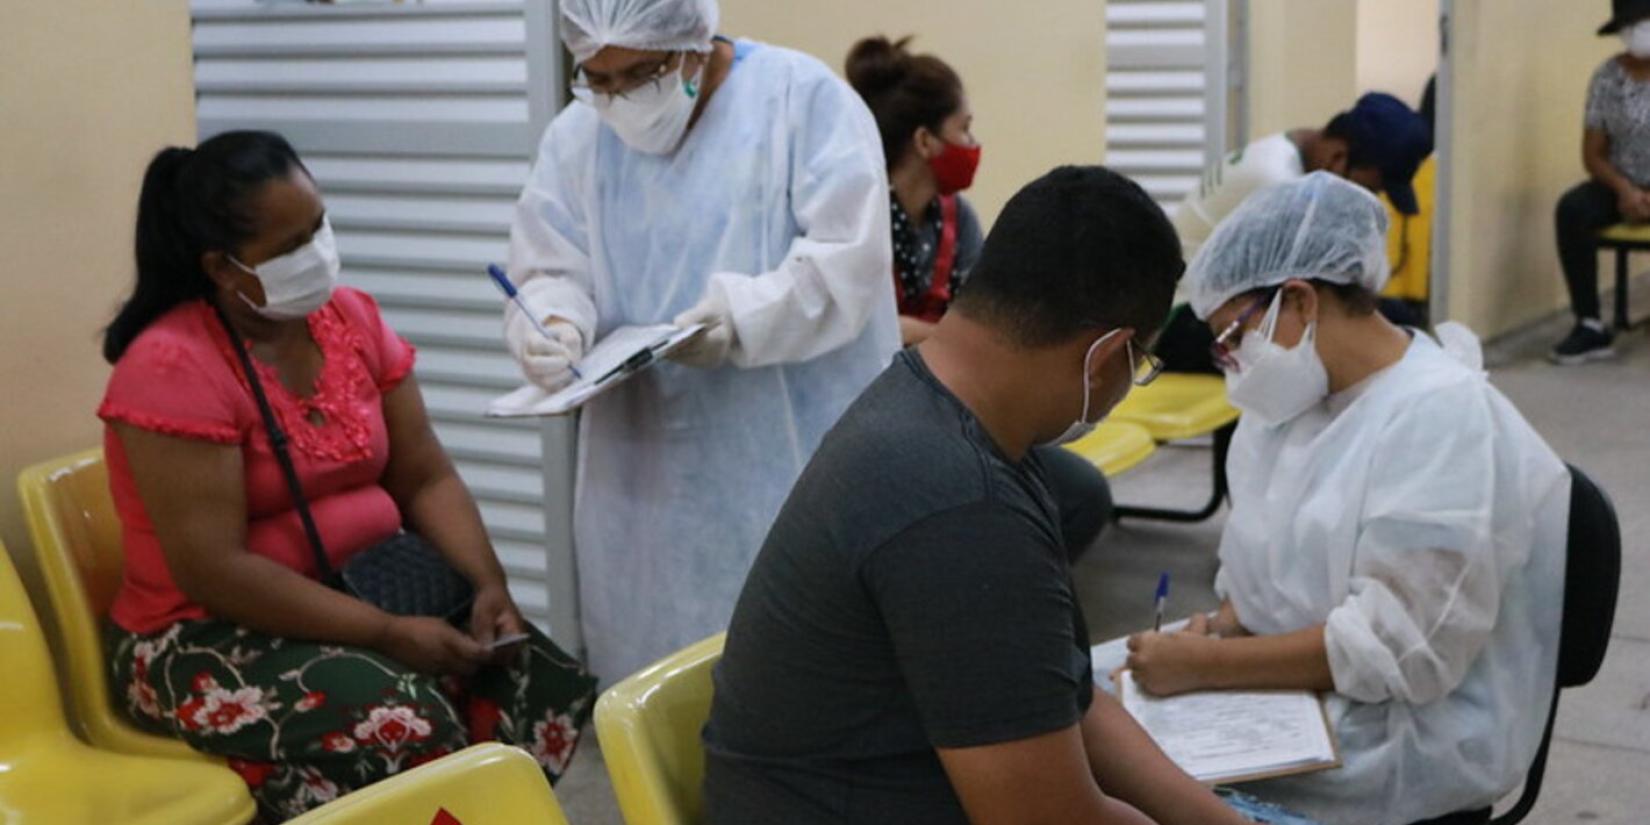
pixel 1159 56
pixel 420 122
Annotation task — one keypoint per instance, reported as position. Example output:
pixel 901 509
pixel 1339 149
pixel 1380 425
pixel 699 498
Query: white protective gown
pixel 1422 520
pixel 778 194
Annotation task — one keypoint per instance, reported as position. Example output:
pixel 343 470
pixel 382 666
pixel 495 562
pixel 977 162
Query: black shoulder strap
pixel 278 443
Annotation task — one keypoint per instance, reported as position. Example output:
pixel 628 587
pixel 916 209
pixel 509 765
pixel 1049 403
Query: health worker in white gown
pixel 697 180
pixel 1397 533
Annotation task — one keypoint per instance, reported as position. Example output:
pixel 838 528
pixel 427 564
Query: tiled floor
pixel 1596 416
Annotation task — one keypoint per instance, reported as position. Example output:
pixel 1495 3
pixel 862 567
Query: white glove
pixel 709 349
pixel 548 362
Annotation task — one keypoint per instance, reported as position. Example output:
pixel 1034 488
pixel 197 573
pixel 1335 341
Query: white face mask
pixel 1637 38
pixel 300 281
pixel 653 117
pixel 1082 426
pixel 1272 383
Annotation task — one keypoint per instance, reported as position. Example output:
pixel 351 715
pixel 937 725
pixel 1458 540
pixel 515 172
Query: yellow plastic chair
pixel 76 536
pixel 1175 407
pixel 1624 239
pixel 1115 447
pixel 1178 406
pixel 649 728
pixel 486 784
pixel 48 777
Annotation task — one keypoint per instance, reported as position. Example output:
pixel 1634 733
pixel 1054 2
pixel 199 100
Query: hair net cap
pixel 1320 227
pixel 588 26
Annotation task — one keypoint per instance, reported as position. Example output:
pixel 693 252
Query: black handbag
pixel 403 574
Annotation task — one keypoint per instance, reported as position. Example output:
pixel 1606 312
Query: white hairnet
pixel 1319 227
pixel 588 26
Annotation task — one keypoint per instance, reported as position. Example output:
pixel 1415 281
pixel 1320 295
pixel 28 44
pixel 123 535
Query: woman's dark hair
pixel 1358 300
pixel 193 201
pixel 904 91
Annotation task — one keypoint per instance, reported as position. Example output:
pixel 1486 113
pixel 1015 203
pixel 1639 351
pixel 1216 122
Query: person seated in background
pixel 1397 533
pixel 1615 150
pixel 926 125
pixel 221 635
pixel 908 647
pixel 1377 144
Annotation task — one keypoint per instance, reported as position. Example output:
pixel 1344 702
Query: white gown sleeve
pixel 549 236
pixel 1425 588
pixel 838 271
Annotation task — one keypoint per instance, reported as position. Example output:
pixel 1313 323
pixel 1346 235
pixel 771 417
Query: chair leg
pixel 1622 254
pixel 1217 497
pixel 1538 771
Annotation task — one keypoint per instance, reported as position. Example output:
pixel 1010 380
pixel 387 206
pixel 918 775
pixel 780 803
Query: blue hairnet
pixel 1320 227
pixel 588 26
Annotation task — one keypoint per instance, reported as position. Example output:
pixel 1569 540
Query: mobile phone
pixel 506 641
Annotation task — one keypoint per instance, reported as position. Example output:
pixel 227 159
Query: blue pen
pixel 509 290
pixel 1162 599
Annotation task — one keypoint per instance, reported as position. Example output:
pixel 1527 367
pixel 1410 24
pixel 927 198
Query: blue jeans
pixel 1255 810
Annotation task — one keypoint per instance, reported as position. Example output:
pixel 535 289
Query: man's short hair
pixel 1358 154
pixel 1079 249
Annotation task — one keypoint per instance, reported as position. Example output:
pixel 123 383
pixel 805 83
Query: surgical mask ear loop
pixel 1082 426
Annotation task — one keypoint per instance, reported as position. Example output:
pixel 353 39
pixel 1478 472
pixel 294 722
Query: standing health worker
pixel 697 180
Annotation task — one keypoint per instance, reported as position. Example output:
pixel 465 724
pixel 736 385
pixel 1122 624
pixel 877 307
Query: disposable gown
pixel 778 198
pixel 1422 520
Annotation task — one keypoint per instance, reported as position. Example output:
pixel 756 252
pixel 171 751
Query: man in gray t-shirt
pixel 908 646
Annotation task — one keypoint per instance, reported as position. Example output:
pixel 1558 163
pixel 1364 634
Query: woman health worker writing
pixel 738 185
pixel 1397 530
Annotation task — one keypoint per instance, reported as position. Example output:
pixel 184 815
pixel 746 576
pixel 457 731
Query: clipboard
pixel 1244 736
pixel 625 352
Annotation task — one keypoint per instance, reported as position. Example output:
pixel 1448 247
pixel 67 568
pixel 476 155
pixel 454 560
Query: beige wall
pixel 1397 46
pixel 89 90
pixel 1302 62
pixel 1518 96
pixel 1035 72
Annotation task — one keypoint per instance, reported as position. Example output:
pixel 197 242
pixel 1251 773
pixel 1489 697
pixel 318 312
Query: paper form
pixel 597 367
pixel 1233 736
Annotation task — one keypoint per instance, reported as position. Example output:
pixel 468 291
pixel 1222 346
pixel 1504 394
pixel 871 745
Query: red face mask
pixel 954 168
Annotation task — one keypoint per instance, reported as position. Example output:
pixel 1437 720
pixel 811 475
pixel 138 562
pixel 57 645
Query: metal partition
pixel 1174 101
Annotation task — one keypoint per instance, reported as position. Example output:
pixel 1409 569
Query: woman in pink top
pixel 221 633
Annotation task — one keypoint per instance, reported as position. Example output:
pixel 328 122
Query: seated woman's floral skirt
pixel 304 723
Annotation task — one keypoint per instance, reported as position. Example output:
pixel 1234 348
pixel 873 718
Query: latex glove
pixel 710 348
pixel 548 362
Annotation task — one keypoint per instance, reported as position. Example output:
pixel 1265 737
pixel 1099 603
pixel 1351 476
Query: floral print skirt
pixel 305 723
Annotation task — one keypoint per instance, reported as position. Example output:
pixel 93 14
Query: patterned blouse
pixel 1619 106
pixel 917 243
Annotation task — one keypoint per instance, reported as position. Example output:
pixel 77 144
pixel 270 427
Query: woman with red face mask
pixel 925 122
pixel 926 126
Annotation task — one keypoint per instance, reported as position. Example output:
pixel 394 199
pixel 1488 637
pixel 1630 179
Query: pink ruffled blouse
pixel 182 378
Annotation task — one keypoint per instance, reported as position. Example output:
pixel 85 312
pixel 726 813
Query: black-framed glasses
pixel 585 87
pixel 1145 363
pixel 1224 348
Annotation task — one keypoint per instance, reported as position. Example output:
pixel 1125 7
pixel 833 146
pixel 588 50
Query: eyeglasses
pixel 1147 366
pixel 1225 345
pixel 585 86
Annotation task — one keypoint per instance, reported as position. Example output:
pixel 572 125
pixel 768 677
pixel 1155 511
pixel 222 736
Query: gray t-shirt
pixel 1619 106
pixel 912 594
